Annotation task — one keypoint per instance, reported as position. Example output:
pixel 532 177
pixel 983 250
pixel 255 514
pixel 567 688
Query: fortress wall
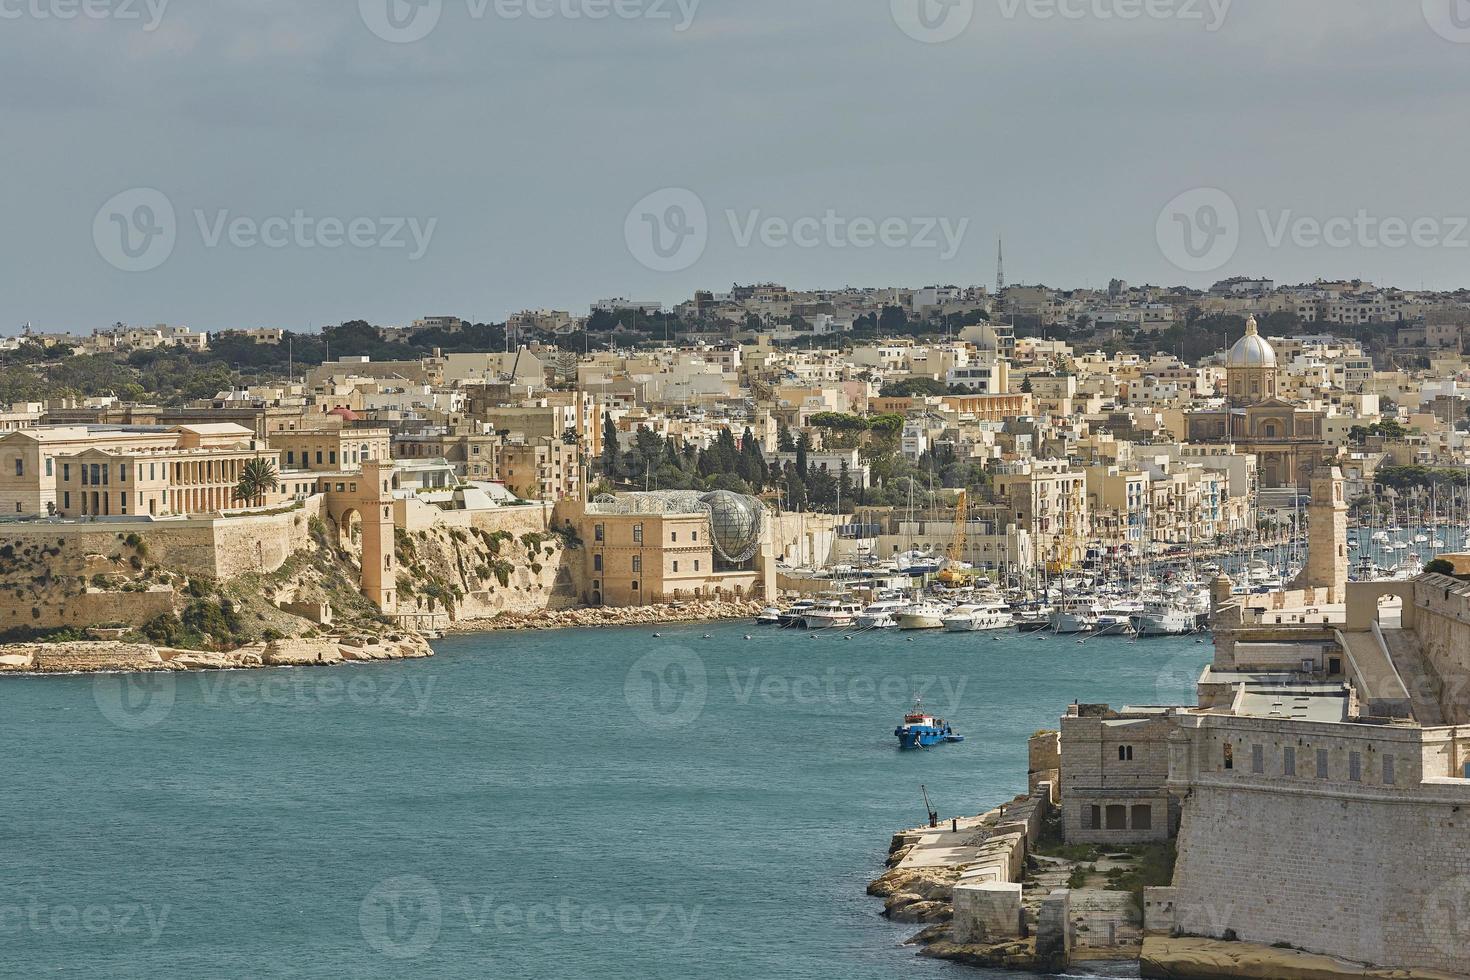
pixel 1373 881
pixel 1443 628
pixel 1368 869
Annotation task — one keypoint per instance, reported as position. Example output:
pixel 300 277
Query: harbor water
pixel 598 803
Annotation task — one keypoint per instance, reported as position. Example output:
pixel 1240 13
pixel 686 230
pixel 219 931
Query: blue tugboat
pixel 920 730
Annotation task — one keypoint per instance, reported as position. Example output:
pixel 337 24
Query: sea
pixel 705 800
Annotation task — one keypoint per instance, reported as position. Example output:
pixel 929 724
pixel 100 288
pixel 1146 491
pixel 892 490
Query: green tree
pixel 257 479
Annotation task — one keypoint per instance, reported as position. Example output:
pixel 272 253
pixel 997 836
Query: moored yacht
pixel 977 617
pixel 831 614
pixel 925 615
pixel 881 615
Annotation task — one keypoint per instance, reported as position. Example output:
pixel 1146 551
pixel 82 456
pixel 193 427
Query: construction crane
pixel 953 573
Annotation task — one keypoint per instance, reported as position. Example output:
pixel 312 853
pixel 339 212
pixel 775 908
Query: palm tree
pixel 256 480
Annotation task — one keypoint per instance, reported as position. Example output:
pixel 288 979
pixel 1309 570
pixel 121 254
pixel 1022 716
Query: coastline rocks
pixel 115 657
pixel 692 611
pixel 910 907
pixel 925 884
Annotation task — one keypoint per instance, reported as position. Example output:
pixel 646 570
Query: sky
pixel 294 163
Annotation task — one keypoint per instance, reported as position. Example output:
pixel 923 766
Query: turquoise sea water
pixel 597 803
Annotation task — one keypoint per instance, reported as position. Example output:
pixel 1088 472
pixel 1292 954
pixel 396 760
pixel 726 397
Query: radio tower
pixel 1000 266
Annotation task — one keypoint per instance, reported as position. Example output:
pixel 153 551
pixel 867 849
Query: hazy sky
pixel 321 164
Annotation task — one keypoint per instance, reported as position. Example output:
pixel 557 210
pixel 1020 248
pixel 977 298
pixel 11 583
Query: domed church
pixel 1285 436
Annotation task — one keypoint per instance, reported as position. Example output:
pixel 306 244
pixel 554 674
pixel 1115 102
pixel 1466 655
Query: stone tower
pixel 1327 552
pixel 379 569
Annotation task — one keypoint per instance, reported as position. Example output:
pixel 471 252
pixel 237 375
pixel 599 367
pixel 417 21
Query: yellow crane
pixel 953 574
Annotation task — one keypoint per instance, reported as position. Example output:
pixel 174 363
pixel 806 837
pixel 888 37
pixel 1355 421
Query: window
pixel 637 533
pixel 599 532
pixel 1388 774
pixel 696 535
pixel 676 568
pixel 1092 818
pixel 66 500
pixel 332 456
pixel 675 536
pixel 637 563
pixel 1117 817
pixel 696 564
pixel 1125 753
pixel 1322 769
pixel 597 563
pixel 49 471
pixel 290 457
pixel 1355 767
pixel 20 466
pixel 122 472
pixel 1258 760
pixel 1143 817
pixel 1288 761
pixel 66 471
pixel 1229 756
pixel 318 456
pixel 635 586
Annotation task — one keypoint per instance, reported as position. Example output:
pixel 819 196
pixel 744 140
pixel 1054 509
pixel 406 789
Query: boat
pixel 796 615
pixel 1073 616
pixel 1163 619
pixel 769 616
pixel 921 730
pixel 922 616
pixel 1033 620
pixel 976 617
pixel 831 614
pixel 881 615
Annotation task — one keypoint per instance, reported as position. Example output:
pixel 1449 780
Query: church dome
pixel 1252 350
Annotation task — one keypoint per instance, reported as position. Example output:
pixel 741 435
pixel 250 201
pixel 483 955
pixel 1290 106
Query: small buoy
pixel 709 636
pixel 1079 643
pixel 748 636
pixel 657 636
pixel 847 637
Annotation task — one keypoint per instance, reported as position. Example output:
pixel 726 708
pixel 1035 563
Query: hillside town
pixel 1021 434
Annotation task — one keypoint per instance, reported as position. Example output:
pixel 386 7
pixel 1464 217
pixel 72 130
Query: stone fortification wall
pixel 1442 624
pixel 1354 858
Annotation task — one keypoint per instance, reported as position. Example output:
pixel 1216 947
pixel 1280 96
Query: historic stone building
pixel 1286 437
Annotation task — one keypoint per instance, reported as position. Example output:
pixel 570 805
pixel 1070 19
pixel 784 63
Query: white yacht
pixel 1074 616
pixel 976 617
pixel 926 615
pixel 1163 619
pixel 832 614
pixel 881 615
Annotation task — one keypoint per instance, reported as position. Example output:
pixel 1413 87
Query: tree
pixel 257 478
pixel 609 446
pixel 803 446
pixel 1439 567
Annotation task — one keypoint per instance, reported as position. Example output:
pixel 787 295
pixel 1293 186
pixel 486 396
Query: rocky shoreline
pixel 693 611
pixel 116 657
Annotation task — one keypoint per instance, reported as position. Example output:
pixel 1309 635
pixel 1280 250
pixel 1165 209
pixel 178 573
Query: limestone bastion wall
pixel 1366 874
pixel 1443 627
